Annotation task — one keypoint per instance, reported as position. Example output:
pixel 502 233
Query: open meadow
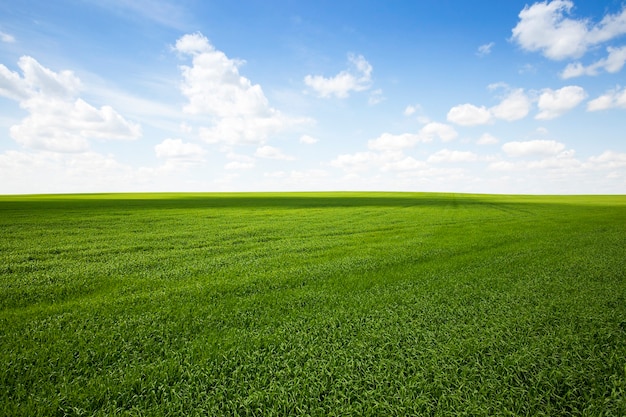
pixel 321 304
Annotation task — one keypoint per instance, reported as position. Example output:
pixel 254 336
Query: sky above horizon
pixel 485 96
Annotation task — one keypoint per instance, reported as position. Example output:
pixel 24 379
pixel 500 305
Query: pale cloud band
pixel 533 148
pixel 7 38
pixel 484 50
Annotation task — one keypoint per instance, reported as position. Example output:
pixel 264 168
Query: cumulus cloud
pixel 487 139
pixel 239 109
pixel 388 141
pixel 469 115
pixel 564 162
pixel 308 140
pixel 432 130
pixel 546 27
pixel 177 151
pixel 383 161
pixel 514 105
pixel 613 63
pixel 447 155
pixel 533 148
pixel 404 164
pixel 610 160
pixel 357 78
pixel 409 110
pixel 239 161
pixel 360 161
pixel 611 99
pixel 37 81
pixel 58 120
pixel 237 165
pixel 270 152
pixel 554 103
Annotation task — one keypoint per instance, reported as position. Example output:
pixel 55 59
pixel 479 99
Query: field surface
pixel 322 304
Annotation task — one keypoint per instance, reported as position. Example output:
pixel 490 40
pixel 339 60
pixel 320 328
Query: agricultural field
pixel 321 304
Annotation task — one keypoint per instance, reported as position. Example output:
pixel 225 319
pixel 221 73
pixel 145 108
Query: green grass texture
pixel 312 304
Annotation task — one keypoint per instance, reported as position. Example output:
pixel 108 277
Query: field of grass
pixel 322 304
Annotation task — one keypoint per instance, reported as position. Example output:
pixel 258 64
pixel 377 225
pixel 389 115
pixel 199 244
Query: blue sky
pixel 451 96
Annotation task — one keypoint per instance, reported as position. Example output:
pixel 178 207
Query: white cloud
pixel 270 152
pixel 275 174
pixel 444 132
pixel 58 121
pixel 239 161
pixel 409 110
pixel 309 140
pixel 357 78
pixel 609 160
pixel 7 38
pixel 527 69
pixel 611 99
pixel 405 164
pixel 237 157
pixel 432 130
pixel 388 141
pixel 469 115
pixel 563 162
pixel 484 50
pixel 545 27
pixel 237 165
pixel 384 161
pixel 515 106
pixel 360 161
pixel 37 81
pixel 12 85
pixel 613 63
pixel 53 172
pixel 179 151
pixel 310 175
pixel 375 97
pixel 533 148
pixel 66 126
pixel 241 113
pixel 554 103
pixel 487 139
pixel 446 155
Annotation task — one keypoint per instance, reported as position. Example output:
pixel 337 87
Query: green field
pixel 320 304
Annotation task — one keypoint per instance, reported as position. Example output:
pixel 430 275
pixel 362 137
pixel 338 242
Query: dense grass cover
pixel 312 304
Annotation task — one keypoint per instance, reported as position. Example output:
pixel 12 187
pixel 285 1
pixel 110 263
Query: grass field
pixel 322 304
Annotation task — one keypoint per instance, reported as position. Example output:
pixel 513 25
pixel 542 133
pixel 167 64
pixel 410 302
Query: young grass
pixel 312 304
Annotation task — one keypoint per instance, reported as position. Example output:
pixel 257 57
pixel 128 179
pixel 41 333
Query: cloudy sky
pixel 218 95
